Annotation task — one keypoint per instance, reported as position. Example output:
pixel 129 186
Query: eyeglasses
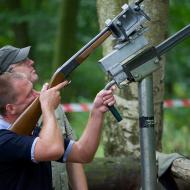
pixel 11 67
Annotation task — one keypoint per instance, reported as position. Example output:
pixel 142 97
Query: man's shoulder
pixel 4 124
pixel 4 132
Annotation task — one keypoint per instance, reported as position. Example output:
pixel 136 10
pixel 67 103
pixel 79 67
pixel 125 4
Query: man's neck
pixel 9 119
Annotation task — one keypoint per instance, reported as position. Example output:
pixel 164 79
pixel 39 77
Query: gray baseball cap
pixel 10 55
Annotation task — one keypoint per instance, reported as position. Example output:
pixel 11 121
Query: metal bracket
pixel 128 22
pixel 146 122
pixel 128 30
pixel 112 63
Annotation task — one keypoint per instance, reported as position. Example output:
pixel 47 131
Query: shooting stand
pixel 131 61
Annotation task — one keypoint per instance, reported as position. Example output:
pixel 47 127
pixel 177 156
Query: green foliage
pixel 176 121
pixel 78 122
pixel 88 79
pixel 176 131
pixel 177 66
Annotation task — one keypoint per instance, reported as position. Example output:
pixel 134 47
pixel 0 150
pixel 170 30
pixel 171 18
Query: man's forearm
pixel 49 145
pixel 50 131
pixel 77 178
pixel 84 149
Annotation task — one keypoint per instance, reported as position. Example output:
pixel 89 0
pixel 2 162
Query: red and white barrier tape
pixel 86 107
pixel 74 107
pixel 177 103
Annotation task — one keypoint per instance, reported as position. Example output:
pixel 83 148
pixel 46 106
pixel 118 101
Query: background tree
pixel 67 29
pixel 66 43
pixel 124 139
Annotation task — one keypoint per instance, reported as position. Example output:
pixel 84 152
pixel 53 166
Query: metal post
pixel 147 134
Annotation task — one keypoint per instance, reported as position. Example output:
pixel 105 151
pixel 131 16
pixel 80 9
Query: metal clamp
pixel 128 22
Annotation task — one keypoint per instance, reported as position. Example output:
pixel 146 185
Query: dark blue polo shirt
pixel 17 171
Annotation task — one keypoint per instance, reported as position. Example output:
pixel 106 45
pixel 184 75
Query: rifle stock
pixel 27 121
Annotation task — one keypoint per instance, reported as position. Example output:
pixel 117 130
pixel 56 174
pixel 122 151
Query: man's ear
pixel 10 109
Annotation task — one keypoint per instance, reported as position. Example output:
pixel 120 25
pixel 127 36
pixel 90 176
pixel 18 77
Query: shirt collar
pixel 4 124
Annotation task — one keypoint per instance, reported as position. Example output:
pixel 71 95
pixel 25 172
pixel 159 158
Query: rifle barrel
pixel 84 52
pixel 172 41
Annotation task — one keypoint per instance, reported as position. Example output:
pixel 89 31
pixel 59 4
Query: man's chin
pixel 34 79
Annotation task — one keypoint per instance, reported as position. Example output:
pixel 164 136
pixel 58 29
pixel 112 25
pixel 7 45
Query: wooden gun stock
pixel 27 121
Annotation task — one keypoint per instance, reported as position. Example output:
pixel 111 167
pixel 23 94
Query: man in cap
pixel 25 160
pixel 13 59
pixel 16 59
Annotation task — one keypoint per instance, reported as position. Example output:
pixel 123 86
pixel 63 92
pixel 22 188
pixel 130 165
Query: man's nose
pixel 30 62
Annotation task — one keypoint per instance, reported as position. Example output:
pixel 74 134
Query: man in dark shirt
pixel 13 59
pixel 25 160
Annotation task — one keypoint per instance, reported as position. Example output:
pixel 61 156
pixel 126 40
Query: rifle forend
pixel 125 24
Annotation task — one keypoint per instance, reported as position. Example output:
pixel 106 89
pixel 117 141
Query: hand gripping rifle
pixel 127 23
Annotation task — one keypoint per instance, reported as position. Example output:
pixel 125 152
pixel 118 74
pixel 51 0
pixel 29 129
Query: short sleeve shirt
pixel 17 171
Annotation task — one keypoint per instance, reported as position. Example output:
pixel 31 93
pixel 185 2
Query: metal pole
pixel 147 134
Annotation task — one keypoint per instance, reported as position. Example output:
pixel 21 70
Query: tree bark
pixel 113 174
pixel 158 12
pixel 119 139
pixel 181 169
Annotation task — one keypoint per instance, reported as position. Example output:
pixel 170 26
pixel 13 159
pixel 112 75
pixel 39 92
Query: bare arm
pixel 50 144
pixel 77 178
pixel 84 149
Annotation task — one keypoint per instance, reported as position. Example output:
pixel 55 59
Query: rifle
pixel 122 27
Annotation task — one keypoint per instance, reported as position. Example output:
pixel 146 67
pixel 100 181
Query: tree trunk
pixel 65 39
pixel 119 174
pixel 20 28
pixel 122 173
pixel 158 12
pixel 113 174
pixel 123 139
pixel 66 35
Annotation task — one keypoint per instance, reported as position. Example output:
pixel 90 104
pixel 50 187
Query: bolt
pixel 118 23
